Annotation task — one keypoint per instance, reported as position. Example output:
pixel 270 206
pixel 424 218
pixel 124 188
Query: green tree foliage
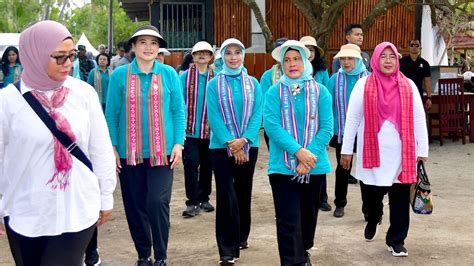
pixel 92 19
pixel 17 14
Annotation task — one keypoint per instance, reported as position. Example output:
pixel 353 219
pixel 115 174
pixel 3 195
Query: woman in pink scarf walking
pixel 389 120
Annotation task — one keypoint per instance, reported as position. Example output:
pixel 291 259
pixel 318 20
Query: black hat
pixel 147 30
pixel 279 42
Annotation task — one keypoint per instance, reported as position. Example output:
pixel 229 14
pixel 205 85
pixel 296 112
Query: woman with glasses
pixel 298 121
pixel 99 77
pixel 387 115
pixel 146 118
pixel 50 201
pixel 234 107
pixel 11 66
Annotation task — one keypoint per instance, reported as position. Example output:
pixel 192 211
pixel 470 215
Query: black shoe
pixel 351 180
pixel 325 207
pixel 227 261
pixel 307 256
pixel 244 245
pixel 92 258
pixel 398 250
pixel 370 231
pixel 191 211
pixel 339 212
pixel 161 262
pixel 207 206
pixel 144 262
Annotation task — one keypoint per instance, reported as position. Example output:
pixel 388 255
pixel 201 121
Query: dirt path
pixel 446 237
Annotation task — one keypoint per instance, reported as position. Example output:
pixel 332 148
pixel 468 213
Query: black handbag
pixel 420 195
pixel 64 139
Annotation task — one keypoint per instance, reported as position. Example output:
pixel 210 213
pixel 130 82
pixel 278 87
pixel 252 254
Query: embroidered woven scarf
pixel 227 109
pixel 98 83
pixel 192 83
pixel 62 158
pixel 156 127
pixel 17 73
pixel 290 125
pixel 371 156
pixel 341 98
pixel 276 73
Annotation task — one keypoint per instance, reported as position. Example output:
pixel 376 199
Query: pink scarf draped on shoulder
pixel 389 97
pixel 37 43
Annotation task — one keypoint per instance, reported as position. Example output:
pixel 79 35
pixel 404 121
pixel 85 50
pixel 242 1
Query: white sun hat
pixel 349 50
pixel 232 41
pixel 277 52
pixel 164 51
pixel 310 40
pixel 202 46
pixel 147 30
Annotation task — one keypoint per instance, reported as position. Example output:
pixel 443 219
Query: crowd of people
pixel 134 117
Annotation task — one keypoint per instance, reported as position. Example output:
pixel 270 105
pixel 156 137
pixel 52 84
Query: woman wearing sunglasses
pixel 50 201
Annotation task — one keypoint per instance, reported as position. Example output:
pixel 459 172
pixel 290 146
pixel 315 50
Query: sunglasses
pixel 414 45
pixel 61 59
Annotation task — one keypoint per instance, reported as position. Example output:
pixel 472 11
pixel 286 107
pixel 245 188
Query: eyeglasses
pixel 61 59
pixel 414 45
pixel 390 57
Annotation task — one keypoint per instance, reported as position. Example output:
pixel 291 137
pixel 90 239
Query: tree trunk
pixel 267 33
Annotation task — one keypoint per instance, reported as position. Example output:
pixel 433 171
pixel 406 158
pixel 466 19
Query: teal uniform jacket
pixel 173 107
pixel 105 82
pixel 219 133
pixel 200 100
pixel 10 78
pixel 322 77
pixel 266 81
pixel 281 141
pixel 350 82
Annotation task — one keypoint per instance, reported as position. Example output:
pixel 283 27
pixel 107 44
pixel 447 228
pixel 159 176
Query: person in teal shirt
pixel 99 77
pixel 340 86
pixel 270 77
pixel 196 154
pixel 298 120
pixel 11 66
pixel 146 119
pixel 320 71
pixel 234 107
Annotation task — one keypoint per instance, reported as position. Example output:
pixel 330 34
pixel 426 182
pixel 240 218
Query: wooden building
pixel 184 22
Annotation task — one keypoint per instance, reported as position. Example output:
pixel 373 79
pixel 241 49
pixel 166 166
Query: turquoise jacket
pixel 173 107
pixel 105 82
pixel 351 81
pixel 266 81
pixel 200 100
pixel 10 78
pixel 219 133
pixel 322 77
pixel 281 141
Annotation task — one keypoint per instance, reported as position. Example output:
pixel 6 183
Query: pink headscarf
pixel 389 97
pixel 387 87
pixel 36 45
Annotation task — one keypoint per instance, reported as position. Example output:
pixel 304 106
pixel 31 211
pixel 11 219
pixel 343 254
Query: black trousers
pixel 342 176
pixel 64 249
pixel 233 201
pixel 92 256
pixel 296 210
pixel 399 202
pixel 197 170
pixel 146 193
pixel 267 140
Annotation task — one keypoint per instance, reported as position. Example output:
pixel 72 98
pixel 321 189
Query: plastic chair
pixel 451 115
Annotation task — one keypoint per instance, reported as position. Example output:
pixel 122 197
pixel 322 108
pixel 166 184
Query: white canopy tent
pixel 84 41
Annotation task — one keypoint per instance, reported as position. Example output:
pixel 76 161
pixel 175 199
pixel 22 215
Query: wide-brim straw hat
pixel 164 51
pixel 148 30
pixel 202 46
pixel 277 52
pixel 310 40
pixel 349 50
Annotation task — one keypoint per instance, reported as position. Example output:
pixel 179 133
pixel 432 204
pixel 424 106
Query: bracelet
pixel 246 140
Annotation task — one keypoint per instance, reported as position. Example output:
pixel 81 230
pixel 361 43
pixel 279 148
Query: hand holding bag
pixel 420 195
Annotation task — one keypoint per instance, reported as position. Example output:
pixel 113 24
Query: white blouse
pixel 390 144
pixel 27 163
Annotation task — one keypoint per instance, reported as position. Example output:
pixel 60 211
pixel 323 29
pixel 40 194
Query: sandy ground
pixel 445 237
